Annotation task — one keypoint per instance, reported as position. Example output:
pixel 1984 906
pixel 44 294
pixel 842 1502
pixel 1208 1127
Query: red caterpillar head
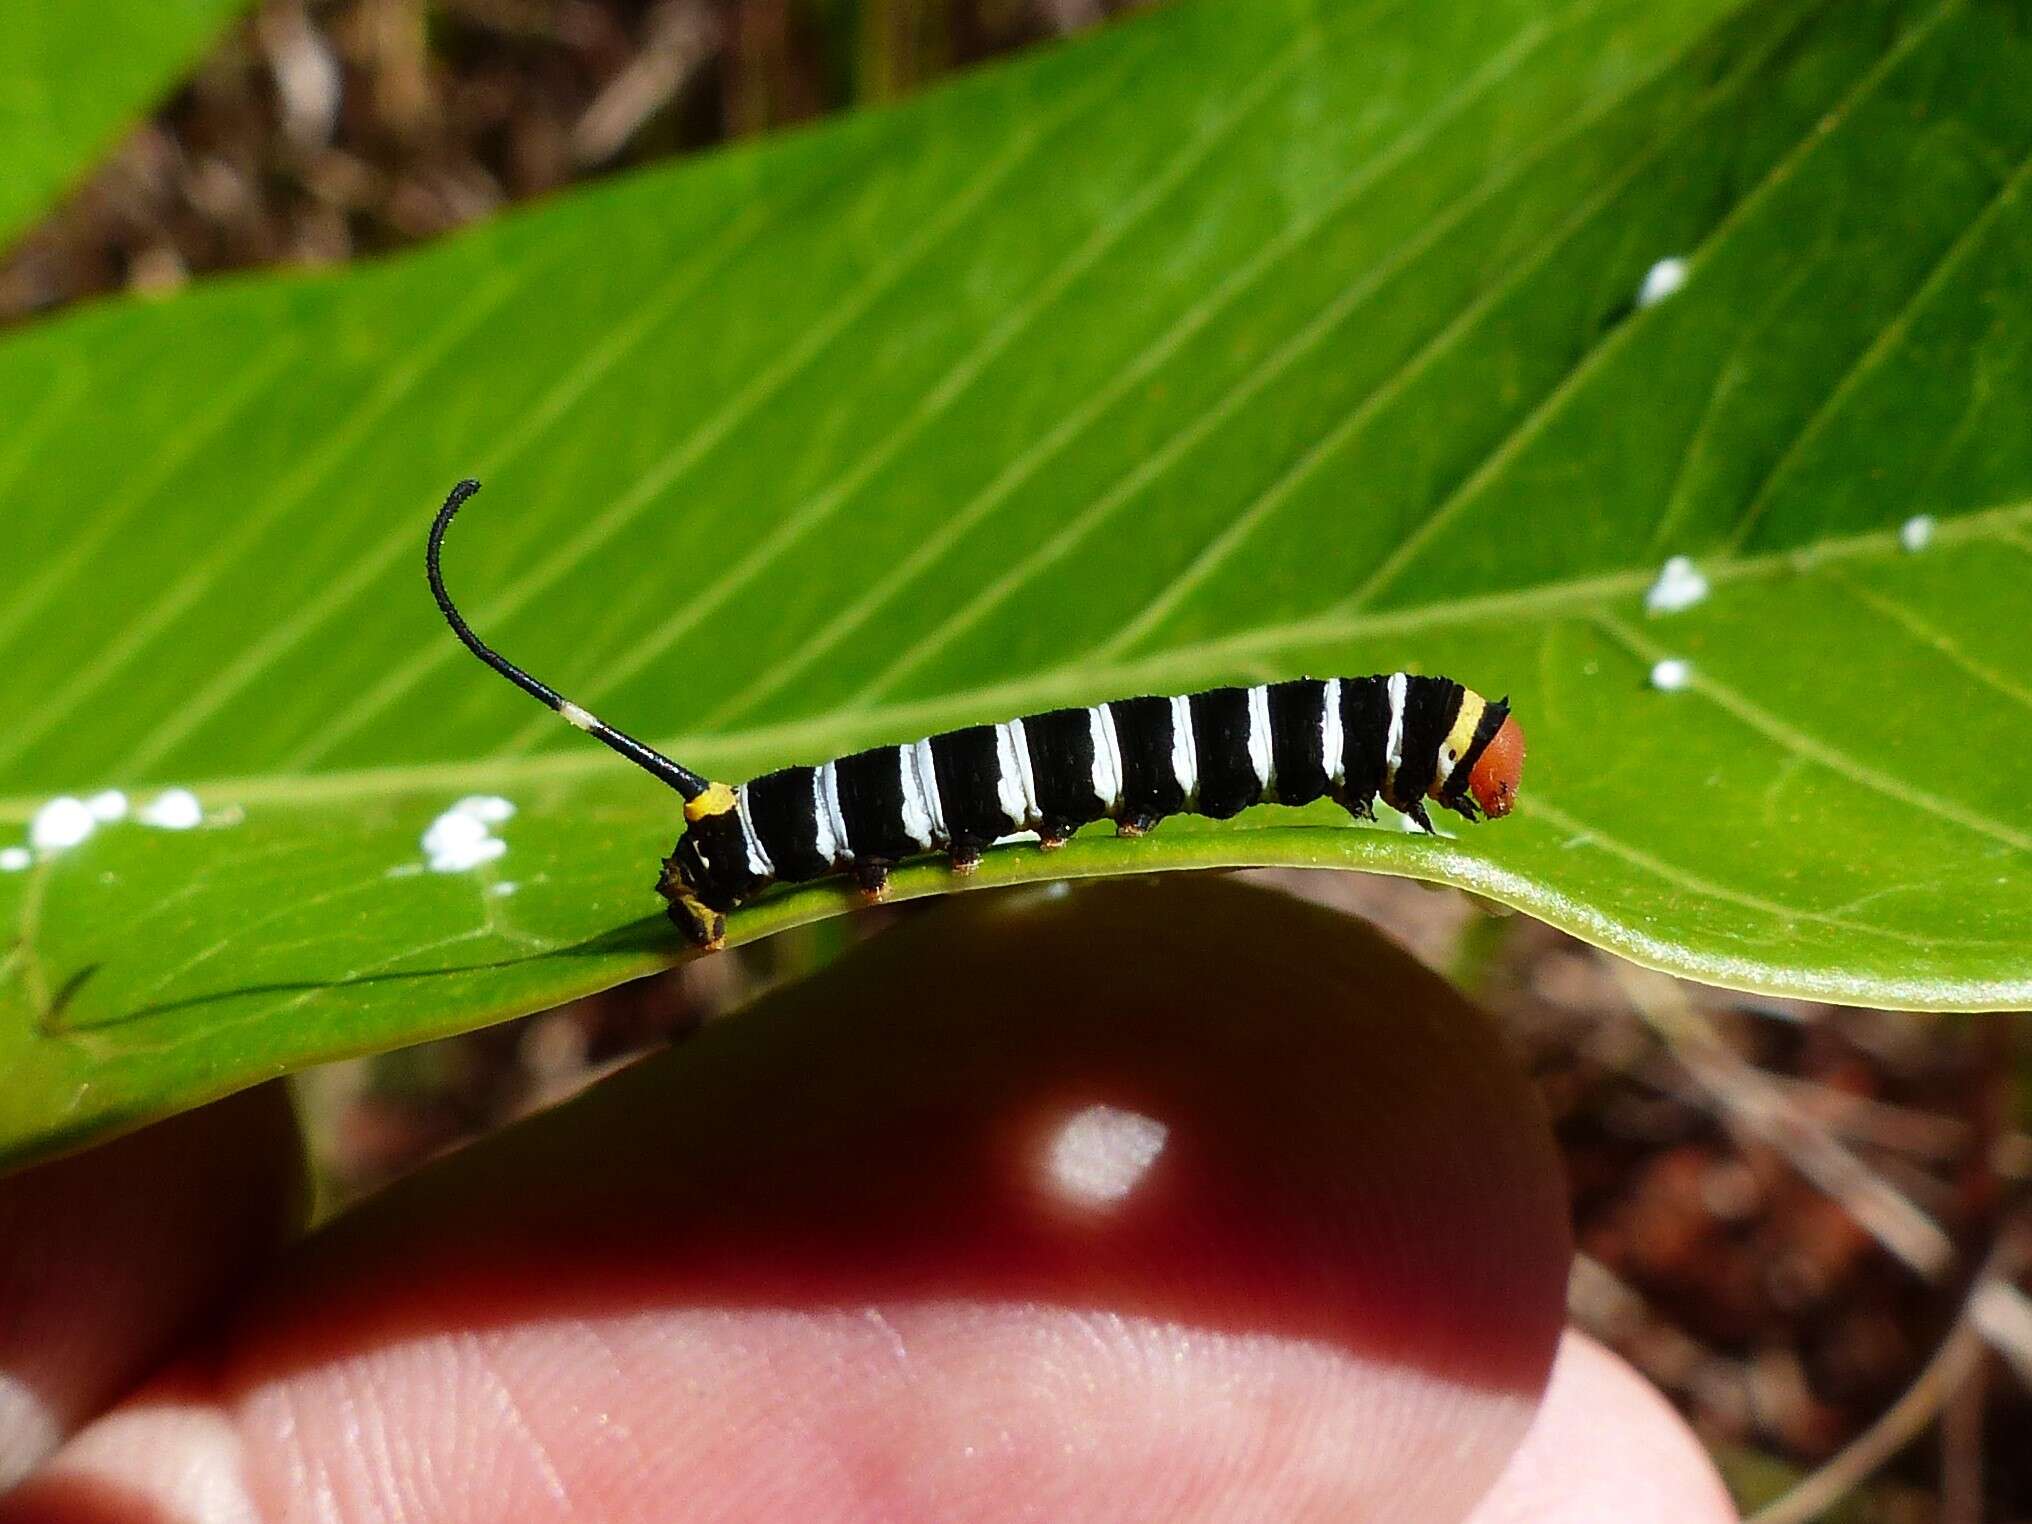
pixel 1499 771
pixel 1482 757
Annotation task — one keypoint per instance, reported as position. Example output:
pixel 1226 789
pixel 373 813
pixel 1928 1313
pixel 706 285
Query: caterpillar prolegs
pixel 1401 738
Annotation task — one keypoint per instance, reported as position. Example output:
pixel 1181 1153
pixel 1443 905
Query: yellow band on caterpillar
pixel 1462 736
pixel 716 800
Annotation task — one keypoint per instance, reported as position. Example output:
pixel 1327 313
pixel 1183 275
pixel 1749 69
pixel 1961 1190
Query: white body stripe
pixel 927 779
pixel 1009 777
pixel 1107 757
pixel 1019 743
pixel 829 844
pixel 1393 745
pixel 916 818
pixel 758 859
pixel 1332 747
pixel 829 797
pixel 1184 750
pixel 1259 733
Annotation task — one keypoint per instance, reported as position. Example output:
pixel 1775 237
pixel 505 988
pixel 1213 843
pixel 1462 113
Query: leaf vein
pixel 1536 804
pixel 1887 339
pixel 1514 442
pixel 1076 528
pixel 1934 638
pixel 1576 595
pixel 953 384
pixel 995 495
pixel 195 581
pixel 677 462
pixel 1791 738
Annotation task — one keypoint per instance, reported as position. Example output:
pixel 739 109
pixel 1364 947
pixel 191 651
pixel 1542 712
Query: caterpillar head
pixel 1487 748
pixel 1499 772
pixel 708 872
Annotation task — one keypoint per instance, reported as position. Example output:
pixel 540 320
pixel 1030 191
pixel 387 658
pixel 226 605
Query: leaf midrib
pixel 1185 662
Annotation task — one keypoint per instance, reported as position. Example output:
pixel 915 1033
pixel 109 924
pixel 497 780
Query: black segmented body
pixel 1398 738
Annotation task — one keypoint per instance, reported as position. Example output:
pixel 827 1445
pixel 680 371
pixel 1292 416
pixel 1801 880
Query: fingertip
pixel 1120 1204
pixel 111 1254
pixel 1606 1447
pixel 161 1459
pixel 1323 1103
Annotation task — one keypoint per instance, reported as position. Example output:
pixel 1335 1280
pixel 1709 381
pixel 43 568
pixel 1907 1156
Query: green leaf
pixel 1244 340
pixel 72 76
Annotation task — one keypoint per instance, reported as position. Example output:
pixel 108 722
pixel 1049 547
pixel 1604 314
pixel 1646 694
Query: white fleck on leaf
pixel 175 809
pixel 107 805
pixel 1664 279
pixel 1671 675
pixel 1680 585
pixel 63 822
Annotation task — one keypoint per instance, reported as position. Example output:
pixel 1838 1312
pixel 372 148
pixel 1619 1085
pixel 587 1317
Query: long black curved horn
pixel 650 760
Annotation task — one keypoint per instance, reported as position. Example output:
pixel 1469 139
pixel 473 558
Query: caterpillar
pixel 1398 737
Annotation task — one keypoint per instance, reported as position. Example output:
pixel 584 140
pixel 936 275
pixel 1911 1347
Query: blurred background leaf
pixel 1238 341
pixel 71 76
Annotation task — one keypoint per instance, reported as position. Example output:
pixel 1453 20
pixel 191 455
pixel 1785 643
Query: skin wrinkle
pixel 475 1357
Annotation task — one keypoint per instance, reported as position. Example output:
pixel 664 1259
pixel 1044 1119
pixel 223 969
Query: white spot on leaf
pixel 458 841
pixel 1679 586
pixel 1662 280
pixel 14 859
pixel 1917 532
pixel 1671 675
pixel 63 822
pixel 462 837
pixel 107 806
pixel 175 809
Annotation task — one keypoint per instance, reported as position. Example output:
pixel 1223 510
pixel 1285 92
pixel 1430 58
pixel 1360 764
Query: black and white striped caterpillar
pixel 1400 738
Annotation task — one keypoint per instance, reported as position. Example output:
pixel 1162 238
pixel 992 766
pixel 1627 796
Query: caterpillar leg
pixel 873 877
pixel 1136 825
pixel 705 927
pixel 1464 807
pixel 702 925
pixel 1054 834
pixel 965 859
pixel 1416 811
